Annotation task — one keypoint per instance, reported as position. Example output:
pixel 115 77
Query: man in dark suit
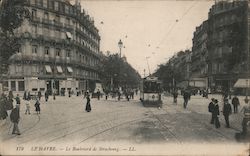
pixel 227 110
pixel 15 117
pixel 216 112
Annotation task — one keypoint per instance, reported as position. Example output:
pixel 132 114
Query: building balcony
pixel 57 23
pixel 35 19
pixel 47 21
pixel 68 25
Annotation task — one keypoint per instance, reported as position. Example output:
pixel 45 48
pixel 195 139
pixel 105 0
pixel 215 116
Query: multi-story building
pixel 199 66
pixel 227 43
pixel 220 45
pixel 180 64
pixel 59 49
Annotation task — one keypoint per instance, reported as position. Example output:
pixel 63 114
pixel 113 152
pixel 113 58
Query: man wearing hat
pixel 215 113
pixel 227 110
pixel 210 109
pixel 15 117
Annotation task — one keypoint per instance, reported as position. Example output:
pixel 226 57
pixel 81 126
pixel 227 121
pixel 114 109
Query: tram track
pixel 104 126
pixel 37 130
pixel 208 127
pixel 77 123
pixel 165 127
pixel 108 129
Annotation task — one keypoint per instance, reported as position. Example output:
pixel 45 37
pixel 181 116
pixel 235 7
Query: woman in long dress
pixel 37 105
pixel 88 106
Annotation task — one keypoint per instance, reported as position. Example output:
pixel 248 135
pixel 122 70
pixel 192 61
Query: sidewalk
pixel 199 104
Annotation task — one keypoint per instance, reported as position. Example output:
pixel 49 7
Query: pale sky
pixel 155 29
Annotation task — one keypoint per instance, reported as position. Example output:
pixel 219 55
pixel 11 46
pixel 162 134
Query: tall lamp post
pixel 120 45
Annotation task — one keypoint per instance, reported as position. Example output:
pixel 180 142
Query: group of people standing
pixel 227 110
pixel 7 107
pixel 213 108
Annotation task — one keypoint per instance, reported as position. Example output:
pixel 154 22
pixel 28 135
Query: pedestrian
pixel 29 96
pixel 9 103
pixel 46 95
pixel 211 109
pixel 98 94
pixel 227 110
pixel 106 94
pixel 54 94
pixel 3 107
pixel 39 94
pixel 25 95
pixel 236 103
pixel 27 103
pixel 88 106
pixel 69 92
pixel 246 119
pixel 18 101
pixel 119 95
pixel 11 96
pixel 175 95
pixel 131 93
pixel 186 97
pixel 215 114
pixel 15 117
pixel 37 106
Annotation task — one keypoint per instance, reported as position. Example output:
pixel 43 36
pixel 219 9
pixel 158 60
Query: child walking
pixel 37 105
pixel 27 103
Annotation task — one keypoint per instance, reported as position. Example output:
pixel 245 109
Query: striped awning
pixel 59 69
pixel 48 69
pixel 69 35
pixel 70 69
pixel 242 83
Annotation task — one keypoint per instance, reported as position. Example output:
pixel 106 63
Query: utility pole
pixel 247 49
pixel 148 65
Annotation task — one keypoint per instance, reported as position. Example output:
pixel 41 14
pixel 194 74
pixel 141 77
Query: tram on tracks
pixel 150 92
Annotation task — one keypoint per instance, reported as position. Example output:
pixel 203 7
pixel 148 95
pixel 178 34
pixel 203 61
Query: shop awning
pixel 59 69
pixel 48 69
pixel 197 83
pixel 69 35
pixel 183 84
pixel 242 83
pixel 70 69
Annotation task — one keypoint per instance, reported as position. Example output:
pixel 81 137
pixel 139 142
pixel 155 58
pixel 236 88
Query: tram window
pixel 151 87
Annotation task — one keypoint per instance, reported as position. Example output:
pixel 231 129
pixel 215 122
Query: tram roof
pixel 151 78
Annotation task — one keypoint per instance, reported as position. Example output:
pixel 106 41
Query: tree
pixel 12 15
pixel 166 73
pixel 120 72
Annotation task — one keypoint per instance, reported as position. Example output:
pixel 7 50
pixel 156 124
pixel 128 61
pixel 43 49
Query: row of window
pixel 57 18
pixel 59 53
pixel 57 33
pixel 217 68
pixel 55 5
pixel 224 20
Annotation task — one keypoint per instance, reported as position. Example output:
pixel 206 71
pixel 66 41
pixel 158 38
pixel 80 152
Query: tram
pixel 150 92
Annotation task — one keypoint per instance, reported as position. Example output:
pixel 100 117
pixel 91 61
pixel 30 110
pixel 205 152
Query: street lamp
pixel 120 45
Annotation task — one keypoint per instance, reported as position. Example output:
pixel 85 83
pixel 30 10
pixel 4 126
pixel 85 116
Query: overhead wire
pixel 176 22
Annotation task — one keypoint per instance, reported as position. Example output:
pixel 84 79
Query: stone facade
pixel 59 49
pixel 220 45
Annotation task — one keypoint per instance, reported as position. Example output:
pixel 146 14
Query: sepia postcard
pixel 125 77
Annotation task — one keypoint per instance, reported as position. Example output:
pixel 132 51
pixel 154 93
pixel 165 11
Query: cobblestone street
pixel 64 121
